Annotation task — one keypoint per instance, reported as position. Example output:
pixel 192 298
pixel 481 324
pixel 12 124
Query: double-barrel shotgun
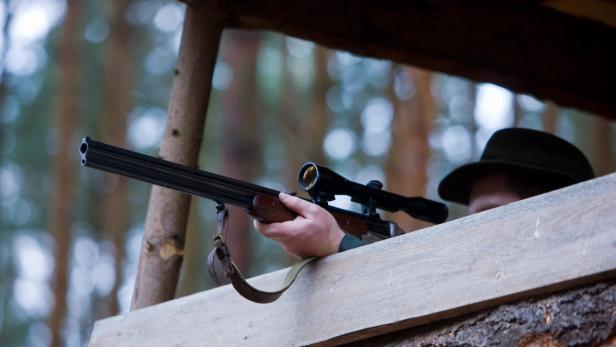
pixel 321 183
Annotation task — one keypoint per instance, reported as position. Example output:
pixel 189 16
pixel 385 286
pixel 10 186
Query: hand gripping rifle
pixel 321 183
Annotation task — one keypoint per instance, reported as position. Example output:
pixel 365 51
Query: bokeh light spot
pixel 146 127
pixel 493 109
pixel 168 17
pixel 97 30
pixel 339 143
pixel 457 144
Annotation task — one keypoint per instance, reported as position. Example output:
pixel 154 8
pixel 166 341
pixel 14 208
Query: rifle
pixel 262 203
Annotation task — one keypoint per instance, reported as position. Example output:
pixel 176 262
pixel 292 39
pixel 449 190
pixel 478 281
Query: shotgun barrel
pixel 167 174
pixel 260 202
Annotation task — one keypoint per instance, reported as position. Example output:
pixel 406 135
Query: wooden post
pixel 165 226
pixel 62 167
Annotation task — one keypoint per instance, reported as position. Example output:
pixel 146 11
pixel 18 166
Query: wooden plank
pixel 548 50
pixel 550 242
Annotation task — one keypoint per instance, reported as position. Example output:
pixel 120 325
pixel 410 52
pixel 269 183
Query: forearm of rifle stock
pixel 269 209
pixel 352 225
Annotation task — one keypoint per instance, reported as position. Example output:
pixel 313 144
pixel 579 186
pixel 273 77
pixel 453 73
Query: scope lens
pixel 309 177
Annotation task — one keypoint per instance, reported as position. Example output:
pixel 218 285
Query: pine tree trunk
pixel 319 118
pixel 603 147
pixel 550 117
pixel 471 123
pixel 305 125
pixel 117 90
pixel 8 18
pixel 291 125
pixel 410 150
pixel 63 167
pixel 517 110
pixel 165 227
pixel 3 76
pixel 241 141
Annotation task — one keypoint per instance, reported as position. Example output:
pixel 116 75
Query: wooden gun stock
pixel 269 209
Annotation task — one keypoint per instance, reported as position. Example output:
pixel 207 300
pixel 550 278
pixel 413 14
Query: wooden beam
pixel 597 10
pixel 162 248
pixel 554 241
pixel 548 50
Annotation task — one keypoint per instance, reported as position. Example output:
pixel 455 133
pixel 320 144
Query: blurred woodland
pixel 70 237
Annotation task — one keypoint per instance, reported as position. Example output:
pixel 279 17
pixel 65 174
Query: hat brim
pixel 457 185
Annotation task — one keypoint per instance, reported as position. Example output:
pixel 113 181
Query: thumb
pixel 301 206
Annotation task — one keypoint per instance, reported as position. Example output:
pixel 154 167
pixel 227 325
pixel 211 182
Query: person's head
pixel 515 164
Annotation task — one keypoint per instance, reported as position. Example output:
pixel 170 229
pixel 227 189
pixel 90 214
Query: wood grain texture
pixel 162 248
pixel 526 46
pixel 551 242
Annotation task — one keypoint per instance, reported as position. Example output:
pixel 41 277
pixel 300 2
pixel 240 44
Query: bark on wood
pixel 115 207
pixel 571 63
pixel 62 167
pixel 581 317
pixel 165 226
pixel 241 140
pixel 544 244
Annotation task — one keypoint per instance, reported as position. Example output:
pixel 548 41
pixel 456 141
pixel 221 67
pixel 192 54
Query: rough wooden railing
pixel 557 241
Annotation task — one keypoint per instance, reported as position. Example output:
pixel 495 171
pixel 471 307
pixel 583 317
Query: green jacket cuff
pixel 349 242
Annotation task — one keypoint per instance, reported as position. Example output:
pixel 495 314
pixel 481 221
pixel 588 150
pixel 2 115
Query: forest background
pixel 70 237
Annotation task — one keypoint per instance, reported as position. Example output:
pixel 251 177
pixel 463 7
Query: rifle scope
pixel 323 184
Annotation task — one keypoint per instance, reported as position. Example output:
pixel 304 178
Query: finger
pixel 270 230
pixel 301 206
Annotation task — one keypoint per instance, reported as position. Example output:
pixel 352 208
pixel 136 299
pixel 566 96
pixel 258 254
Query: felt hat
pixel 534 156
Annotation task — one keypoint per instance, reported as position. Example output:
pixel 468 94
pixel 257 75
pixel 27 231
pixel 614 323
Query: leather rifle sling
pixel 231 271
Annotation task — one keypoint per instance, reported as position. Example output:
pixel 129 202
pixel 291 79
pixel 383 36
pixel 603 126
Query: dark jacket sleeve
pixel 349 242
